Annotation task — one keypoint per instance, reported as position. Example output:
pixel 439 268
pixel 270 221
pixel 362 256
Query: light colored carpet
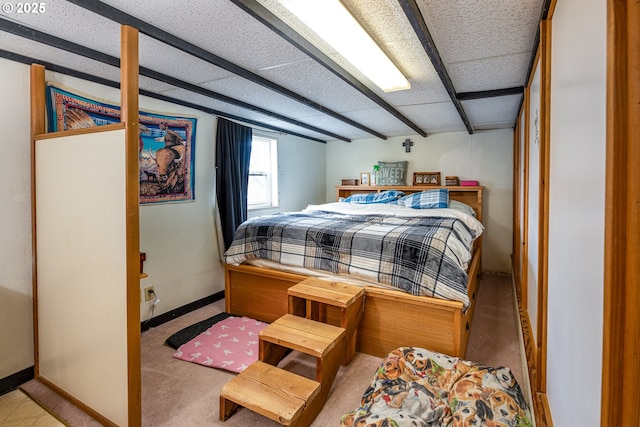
pixel 178 393
pixel 495 335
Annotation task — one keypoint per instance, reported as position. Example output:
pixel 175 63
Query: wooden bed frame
pixel 391 318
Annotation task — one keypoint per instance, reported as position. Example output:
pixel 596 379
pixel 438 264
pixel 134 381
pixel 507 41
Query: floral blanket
pixel 417 387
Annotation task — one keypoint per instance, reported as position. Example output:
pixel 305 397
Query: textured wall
pixel 16 332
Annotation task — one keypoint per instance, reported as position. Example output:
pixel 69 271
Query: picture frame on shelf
pixel 452 180
pixel 426 178
pixel 365 178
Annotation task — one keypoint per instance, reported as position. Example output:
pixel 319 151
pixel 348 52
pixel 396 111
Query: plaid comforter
pixel 412 254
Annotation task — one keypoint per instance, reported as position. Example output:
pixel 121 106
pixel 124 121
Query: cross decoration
pixel 407 145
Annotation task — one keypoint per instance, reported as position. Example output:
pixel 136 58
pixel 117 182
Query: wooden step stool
pixel 285 397
pixel 272 392
pixel 312 298
pixel 306 336
pixel 269 391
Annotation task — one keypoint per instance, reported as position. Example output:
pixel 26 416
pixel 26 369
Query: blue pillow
pixel 368 198
pixel 430 199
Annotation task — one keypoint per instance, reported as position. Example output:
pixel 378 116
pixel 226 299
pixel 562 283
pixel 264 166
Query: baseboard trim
pixel 180 311
pixel 14 381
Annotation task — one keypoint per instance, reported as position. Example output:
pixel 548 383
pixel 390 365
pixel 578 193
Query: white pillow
pixel 462 207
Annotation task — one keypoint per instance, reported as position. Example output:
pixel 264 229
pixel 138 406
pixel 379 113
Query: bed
pixel 392 318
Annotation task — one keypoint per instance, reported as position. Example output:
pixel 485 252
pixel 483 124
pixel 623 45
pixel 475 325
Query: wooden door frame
pixel 129 102
pixel 543 205
pixel 621 329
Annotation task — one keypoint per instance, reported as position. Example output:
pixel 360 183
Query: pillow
pixel 382 197
pixel 391 173
pixel 430 199
pixel 231 344
pixel 462 207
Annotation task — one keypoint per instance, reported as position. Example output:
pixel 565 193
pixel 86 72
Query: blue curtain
pixel 233 152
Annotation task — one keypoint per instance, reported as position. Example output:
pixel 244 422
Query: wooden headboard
pixel 472 196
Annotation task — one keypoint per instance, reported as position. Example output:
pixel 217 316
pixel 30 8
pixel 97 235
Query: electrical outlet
pixel 148 293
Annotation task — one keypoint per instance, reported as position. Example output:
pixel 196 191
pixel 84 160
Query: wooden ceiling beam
pixel 467 96
pixel 412 11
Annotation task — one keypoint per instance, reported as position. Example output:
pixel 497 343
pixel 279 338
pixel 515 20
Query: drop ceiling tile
pixel 153 85
pixel 320 85
pixel 65 20
pixel 435 118
pixel 387 24
pixel 217 26
pixel 380 120
pixel 337 126
pixel 285 128
pixel 491 73
pixel 419 94
pixel 255 94
pixel 488 112
pixel 59 57
pixel 465 30
pixel 384 21
pixel 173 62
pixel 211 103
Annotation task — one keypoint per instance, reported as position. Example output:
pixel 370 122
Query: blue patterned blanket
pixel 419 255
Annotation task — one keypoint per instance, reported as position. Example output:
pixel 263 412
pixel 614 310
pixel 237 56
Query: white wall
pixel 16 325
pixel 486 156
pixel 576 209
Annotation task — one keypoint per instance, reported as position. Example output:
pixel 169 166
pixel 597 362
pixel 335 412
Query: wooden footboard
pixel 259 293
pixel 391 318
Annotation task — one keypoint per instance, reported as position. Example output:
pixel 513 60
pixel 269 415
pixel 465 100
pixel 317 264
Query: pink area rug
pixel 231 344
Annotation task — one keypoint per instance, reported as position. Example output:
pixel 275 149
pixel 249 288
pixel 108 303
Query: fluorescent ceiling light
pixel 330 20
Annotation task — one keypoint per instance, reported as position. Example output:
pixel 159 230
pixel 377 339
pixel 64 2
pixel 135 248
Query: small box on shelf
pixel 452 180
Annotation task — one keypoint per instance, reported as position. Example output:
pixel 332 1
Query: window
pixel 263 173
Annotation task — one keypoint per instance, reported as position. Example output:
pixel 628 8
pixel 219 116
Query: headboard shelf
pixel 472 196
